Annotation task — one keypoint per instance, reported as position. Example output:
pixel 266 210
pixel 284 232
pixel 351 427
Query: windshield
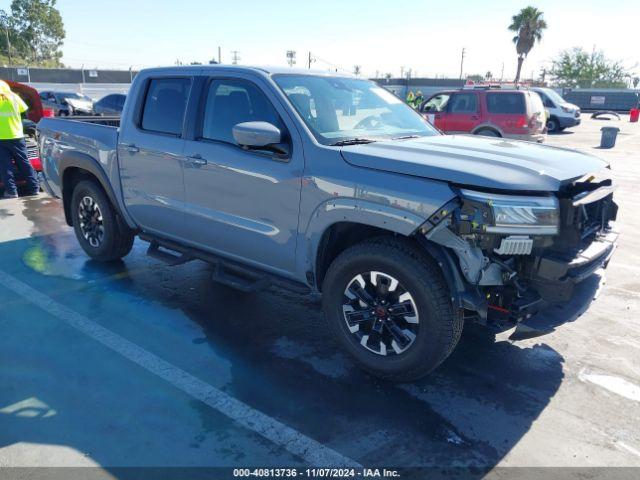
pixel 553 95
pixel 342 109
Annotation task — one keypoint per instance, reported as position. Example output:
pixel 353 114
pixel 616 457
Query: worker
pixel 12 144
pixel 410 98
pixel 418 100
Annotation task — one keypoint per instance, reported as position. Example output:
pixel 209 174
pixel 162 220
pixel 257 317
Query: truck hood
pixel 484 162
pixel 79 104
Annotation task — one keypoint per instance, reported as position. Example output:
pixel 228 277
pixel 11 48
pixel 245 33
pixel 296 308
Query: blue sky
pixel 382 36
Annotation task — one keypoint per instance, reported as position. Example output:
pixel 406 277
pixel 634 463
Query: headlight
pixel 518 214
pixel 567 109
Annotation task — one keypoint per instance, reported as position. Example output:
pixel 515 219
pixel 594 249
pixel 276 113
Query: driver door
pixel 434 110
pixel 242 203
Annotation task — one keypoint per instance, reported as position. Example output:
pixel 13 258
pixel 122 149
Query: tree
pixel 476 77
pixel 578 68
pixel 529 25
pixel 356 70
pixel 34 30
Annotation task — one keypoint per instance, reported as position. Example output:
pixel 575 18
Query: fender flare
pixel 353 210
pixel 89 164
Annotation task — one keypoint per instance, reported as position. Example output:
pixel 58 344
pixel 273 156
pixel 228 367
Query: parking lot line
pixel 280 434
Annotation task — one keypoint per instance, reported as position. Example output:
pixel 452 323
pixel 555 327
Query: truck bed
pixel 96 137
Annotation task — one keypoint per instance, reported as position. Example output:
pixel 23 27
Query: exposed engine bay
pixel 519 253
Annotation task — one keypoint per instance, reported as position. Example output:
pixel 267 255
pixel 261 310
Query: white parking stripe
pixel 293 441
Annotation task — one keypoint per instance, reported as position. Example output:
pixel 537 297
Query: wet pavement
pixel 571 398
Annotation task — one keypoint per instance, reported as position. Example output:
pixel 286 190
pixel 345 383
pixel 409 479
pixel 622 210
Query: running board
pixel 234 274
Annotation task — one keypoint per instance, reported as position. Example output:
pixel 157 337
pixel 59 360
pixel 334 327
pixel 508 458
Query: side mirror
pixel 256 134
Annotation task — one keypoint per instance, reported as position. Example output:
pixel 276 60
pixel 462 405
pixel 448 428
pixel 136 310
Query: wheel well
pixel 71 177
pixel 491 129
pixel 337 238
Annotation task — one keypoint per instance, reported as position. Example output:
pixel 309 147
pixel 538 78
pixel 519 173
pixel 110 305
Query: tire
pixel 553 126
pixel 103 235
pixel 487 132
pixel 435 324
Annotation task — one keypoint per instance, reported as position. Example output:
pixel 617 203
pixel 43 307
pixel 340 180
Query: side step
pixel 165 255
pixel 240 279
pixel 228 272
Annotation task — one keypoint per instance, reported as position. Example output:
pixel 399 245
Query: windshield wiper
pixel 352 141
pixel 406 137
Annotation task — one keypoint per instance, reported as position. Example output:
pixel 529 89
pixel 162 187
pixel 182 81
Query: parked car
pixel 33 115
pixel 67 103
pixel 332 185
pixel 110 105
pixel 510 113
pixel 562 114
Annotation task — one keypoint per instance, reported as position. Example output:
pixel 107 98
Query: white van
pixel 562 114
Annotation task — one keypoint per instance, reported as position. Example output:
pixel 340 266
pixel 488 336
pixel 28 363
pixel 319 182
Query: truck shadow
pixel 471 412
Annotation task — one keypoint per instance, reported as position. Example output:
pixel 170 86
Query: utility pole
pixel 462 61
pixel 219 54
pixel 309 61
pixel 502 72
pixel 235 57
pixel 291 57
pixel 401 72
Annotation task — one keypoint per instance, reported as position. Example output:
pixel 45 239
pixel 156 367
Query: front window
pixel 340 109
pixel 437 103
pixel 554 96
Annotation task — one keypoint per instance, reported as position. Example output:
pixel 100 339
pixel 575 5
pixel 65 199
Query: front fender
pixel 353 210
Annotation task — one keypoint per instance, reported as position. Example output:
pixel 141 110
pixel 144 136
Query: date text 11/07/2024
pixel 316 472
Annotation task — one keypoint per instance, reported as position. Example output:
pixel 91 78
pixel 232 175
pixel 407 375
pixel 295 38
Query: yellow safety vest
pixel 11 106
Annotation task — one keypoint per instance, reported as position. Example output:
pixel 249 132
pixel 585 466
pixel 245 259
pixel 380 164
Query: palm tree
pixel 529 24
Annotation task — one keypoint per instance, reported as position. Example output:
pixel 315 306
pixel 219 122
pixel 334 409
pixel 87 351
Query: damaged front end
pixel 511 255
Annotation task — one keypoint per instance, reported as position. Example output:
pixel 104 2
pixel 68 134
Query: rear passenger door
pixel 150 154
pixel 243 203
pixel 462 113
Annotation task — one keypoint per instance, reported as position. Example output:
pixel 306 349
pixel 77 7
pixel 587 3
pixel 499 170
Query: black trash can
pixel 608 138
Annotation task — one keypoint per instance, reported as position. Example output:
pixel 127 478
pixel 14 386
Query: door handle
pixel 474 117
pixel 197 160
pixel 131 148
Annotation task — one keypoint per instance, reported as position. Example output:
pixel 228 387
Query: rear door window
pixel 234 101
pixel 463 103
pixel 165 105
pixel 510 103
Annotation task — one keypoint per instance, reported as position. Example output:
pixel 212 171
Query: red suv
pixel 517 114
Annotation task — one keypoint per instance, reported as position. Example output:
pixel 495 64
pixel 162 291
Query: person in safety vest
pixel 410 98
pixel 12 144
pixel 418 100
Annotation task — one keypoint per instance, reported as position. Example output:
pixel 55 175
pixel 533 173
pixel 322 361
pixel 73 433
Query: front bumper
pixel 554 277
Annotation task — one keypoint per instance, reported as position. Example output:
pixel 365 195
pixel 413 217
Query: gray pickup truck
pixel 331 185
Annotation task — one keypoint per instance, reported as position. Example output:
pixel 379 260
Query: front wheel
pixel 553 126
pixel 388 305
pixel 100 231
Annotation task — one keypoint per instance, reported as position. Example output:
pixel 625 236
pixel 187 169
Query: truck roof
pixel 268 70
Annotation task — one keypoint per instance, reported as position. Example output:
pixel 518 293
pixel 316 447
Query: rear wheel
pixel 388 305
pixel 100 231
